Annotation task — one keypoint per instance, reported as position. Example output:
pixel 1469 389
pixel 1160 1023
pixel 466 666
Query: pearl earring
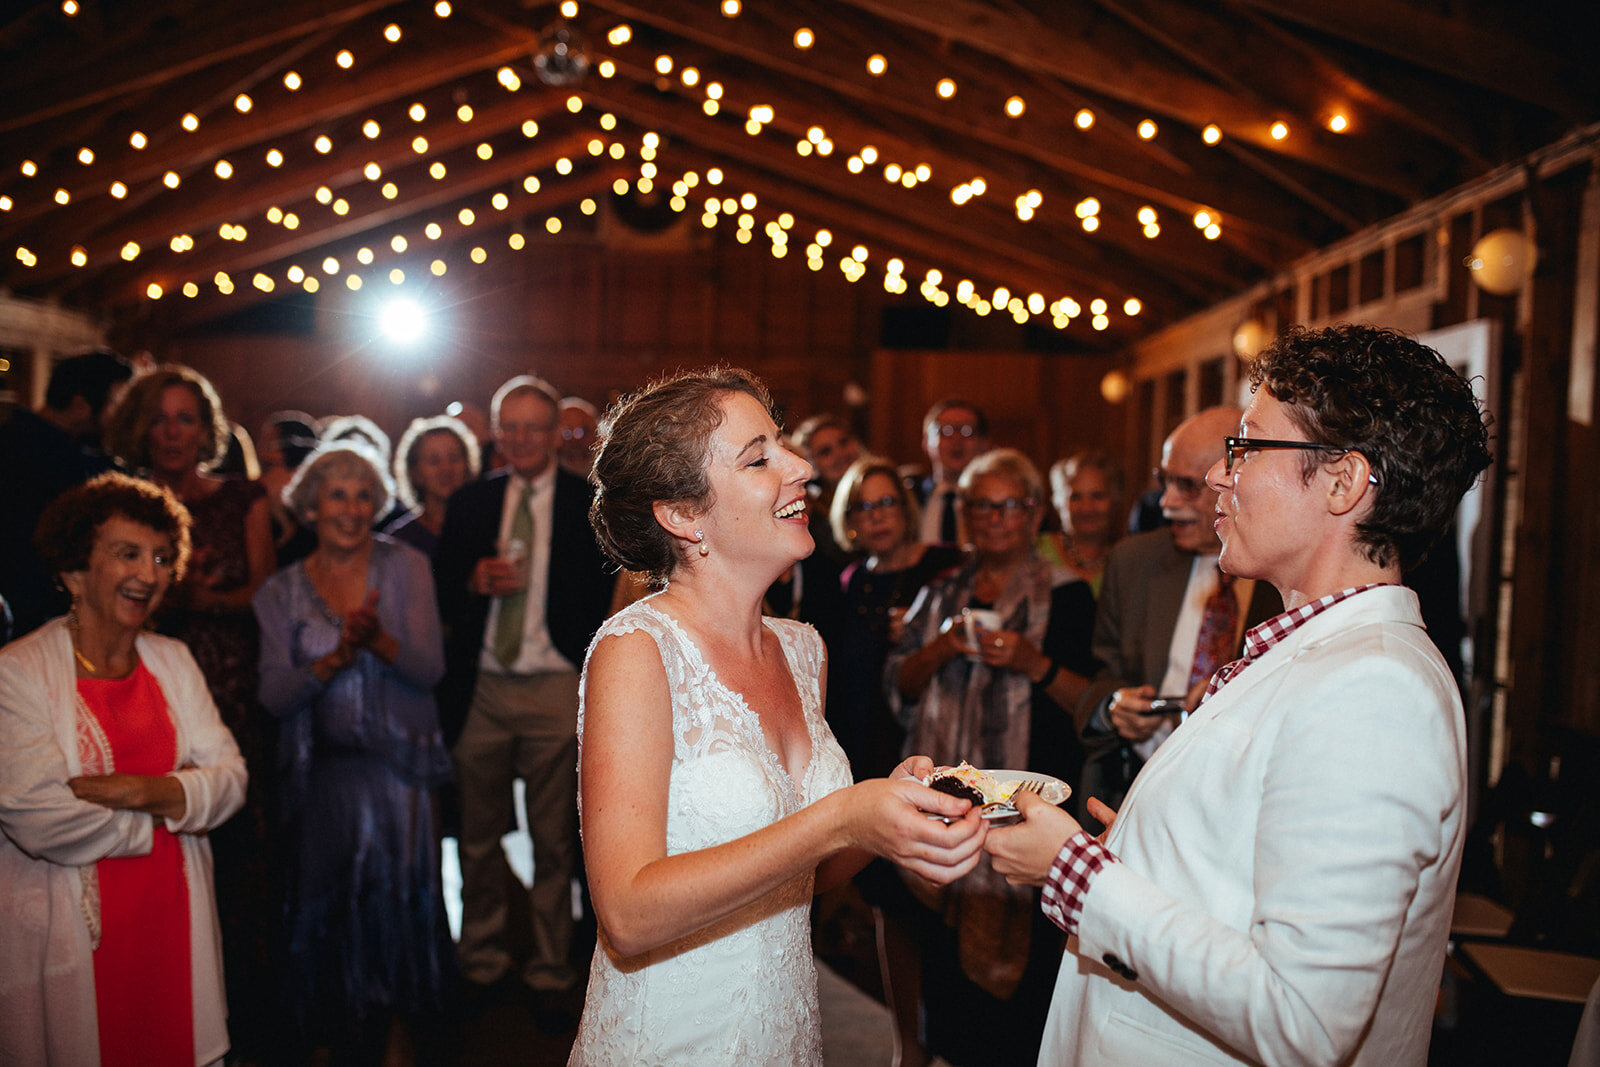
pixel 700 537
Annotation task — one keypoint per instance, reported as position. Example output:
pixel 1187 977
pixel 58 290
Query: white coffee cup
pixel 978 622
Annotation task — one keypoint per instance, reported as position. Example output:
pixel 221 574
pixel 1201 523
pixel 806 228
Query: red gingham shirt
pixel 1082 857
pixel 1260 638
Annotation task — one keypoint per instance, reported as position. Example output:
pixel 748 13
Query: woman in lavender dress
pixel 350 652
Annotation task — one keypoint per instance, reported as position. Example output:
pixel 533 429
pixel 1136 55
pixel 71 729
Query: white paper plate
pixel 1006 811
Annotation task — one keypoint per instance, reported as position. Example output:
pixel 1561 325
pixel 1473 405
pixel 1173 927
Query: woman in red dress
pixel 169 426
pixel 113 765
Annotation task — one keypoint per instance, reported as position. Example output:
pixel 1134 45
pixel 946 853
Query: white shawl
pixel 47 998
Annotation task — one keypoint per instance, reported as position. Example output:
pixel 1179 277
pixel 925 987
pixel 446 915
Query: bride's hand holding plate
pixel 889 817
pixel 1024 850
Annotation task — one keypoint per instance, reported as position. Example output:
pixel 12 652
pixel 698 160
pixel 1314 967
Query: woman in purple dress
pixel 350 653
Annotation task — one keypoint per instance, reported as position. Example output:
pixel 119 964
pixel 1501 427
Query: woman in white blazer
pixel 1277 887
pixel 66 804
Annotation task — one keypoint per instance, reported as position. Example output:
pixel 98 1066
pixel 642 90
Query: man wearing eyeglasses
pixel 579 424
pixel 954 433
pixel 1278 885
pixel 1167 617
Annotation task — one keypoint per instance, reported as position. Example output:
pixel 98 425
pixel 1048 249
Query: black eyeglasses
pixel 1188 488
pixel 866 507
pixel 1010 506
pixel 1239 447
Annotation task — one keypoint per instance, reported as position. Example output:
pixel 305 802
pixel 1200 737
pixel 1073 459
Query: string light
pixel 946 88
pixel 1015 107
pixel 1083 119
pixel 1279 130
pixel 804 38
pixel 876 65
pixel 1338 123
pixel 1211 134
pixel 291 81
pixel 1147 130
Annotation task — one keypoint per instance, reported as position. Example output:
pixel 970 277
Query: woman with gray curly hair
pixel 350 653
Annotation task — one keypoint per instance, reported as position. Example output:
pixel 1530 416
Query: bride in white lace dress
pixel 714 799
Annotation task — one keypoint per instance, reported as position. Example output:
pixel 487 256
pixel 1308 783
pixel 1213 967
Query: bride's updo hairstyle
pixel 654 447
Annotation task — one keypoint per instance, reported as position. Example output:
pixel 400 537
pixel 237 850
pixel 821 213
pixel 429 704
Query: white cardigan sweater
pixel 47 998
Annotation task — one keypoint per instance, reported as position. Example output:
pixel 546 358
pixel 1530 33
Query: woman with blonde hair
pixel 170 428
pixel 997 697
pixel 435 457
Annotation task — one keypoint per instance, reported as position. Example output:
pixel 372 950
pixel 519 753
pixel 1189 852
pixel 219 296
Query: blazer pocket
pixel 1123 1039
pixel 1220 733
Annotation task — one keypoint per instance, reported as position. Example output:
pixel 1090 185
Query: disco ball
pixel 562 57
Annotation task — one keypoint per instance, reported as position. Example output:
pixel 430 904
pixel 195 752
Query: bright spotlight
pixel 403 320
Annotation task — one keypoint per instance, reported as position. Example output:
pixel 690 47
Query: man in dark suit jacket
pixel 522 588
pixel 1150 613
pixel 44 453
pixel 954 433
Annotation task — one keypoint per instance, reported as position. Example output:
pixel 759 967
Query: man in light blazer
pixel 522 587
pixel 1277 887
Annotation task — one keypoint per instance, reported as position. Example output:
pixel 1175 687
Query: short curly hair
pixel 654 447
pixel 1004 463
pixel 69 526
pixel 128 429
pixel 1397 402
pixel 346 457
pixel 405 460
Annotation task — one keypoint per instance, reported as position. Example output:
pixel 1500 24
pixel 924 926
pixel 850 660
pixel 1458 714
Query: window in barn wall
pixel 1173 409
pixel 1213 374
pixel 1371 278
pixel 1144 456
pixel 1338 291
pixel 1319 297
pixel 13 364
pixel 1283 308
pixel 1408 258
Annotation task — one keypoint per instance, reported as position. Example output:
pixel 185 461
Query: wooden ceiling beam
pixel 363 222
pixel 909 217
pixel 1058 146
pixel 223 38
pixel 1285 73
pixel 1007 178
pixel 1105 55
pixel 384 85
pixel 1439 39
pixel 250 194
